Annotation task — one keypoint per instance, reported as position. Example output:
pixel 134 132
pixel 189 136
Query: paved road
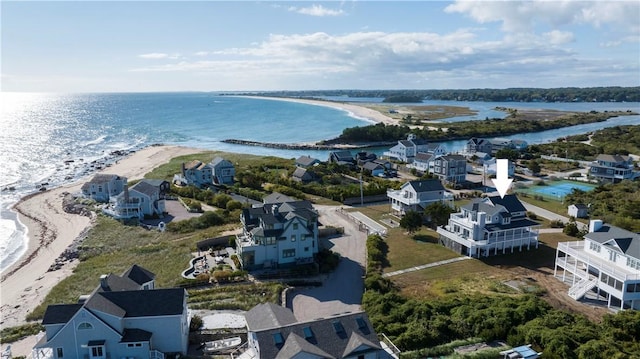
pixel 425 266
pixel 550 216
pixel 343 288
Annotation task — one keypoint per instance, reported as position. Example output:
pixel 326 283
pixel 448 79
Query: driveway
pixel 342 289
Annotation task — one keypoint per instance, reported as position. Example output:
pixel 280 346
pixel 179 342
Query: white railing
pixel 392 347
pixel 576 250
pixel 581 288
pixel 154 354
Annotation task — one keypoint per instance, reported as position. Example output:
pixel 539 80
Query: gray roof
pixel 300 173
pixel 432 147
pixel 135 335
pixel 342 155
pixel 453 158
pixel 115 283
pixel 519 223
pixel 268 315
pixel 426 185
pixel 219 161
pixel 277 197
pixel 306 160
pixel 579 206
pixel 423 157
pixel 103 177
pixel 481 205
pixel 628 242
pixel 60 313
pixel 406 143
pixel 612 158
pixel 139 303
pixel 510 202
pixel 139 274
pixel 145 188
pixel 371 166
pixel 337 336
pixel 154 182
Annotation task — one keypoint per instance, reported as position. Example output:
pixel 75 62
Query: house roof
pixel 432 147
pixel 337 336
pixel 427 185
pixel 139 303
pixel 510 202
pixel 453 158
pixel 342 155
pixel 116 283
pixel 268 315
pixel 277 197
pixel 579 206
pixel 523 222
pixel 145 188
pixel 60 313
pixel 219 161
pixel 406 143
pixel 300 173
pixel 423 157
pixel 104 177
pixel 306 160
pixel 612 158
pixel 154 182
pixel 135 335
pixel 371 166
pixel 482 205
pixel 139 275
pixel 628 242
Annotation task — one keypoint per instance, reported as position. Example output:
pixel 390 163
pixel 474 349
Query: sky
pixel 149 46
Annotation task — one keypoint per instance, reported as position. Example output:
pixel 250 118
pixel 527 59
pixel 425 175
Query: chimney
pixel 103 282
pixel 595 225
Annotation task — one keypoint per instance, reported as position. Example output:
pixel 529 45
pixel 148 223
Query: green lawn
pixel 406 251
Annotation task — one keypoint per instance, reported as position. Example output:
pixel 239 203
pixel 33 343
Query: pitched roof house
pixel 490 226
pixel 578 210
pixel 306 161
pixel 343 158
pixel 612 168
pixel 145 198
pixel 104 186
pixel 222 171
pixel 195 173
pixel 605 266
pixel 125 316
pixel 278 234
pixel 302 175
pixel 450 168
pixel 416 195
pixel 275 333
pixel 406 150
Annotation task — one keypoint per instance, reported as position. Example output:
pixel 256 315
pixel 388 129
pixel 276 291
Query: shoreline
pixel 355 111
pixel 51 231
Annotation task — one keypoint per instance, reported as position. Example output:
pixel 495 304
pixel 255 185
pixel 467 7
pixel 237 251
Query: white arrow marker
pixel 502 182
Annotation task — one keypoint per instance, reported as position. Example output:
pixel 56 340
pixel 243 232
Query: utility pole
pixel 361 191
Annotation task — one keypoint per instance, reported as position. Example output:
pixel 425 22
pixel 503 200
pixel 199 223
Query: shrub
pixel 532 215
pixel 233 205
pixel 196 323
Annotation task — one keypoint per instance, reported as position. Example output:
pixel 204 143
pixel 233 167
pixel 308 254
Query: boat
pixel 221 345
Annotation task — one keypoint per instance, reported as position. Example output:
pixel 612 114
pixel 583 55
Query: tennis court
pixel 558 189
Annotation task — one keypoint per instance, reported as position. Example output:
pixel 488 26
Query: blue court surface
pixel 561 188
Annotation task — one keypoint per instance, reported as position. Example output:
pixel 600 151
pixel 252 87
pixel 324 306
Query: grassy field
pixel 419 112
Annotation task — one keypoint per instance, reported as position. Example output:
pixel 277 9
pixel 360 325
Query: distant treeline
pixel 564 94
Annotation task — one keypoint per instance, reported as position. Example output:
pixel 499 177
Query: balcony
pixel 576 250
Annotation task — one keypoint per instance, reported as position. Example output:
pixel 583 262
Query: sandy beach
pixel 358 111
pixel 51 230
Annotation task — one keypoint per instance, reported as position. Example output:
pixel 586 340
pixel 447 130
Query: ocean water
pixel 54 138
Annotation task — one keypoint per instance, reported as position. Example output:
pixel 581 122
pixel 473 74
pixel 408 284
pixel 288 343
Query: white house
pixel 612 168
pixel 490 226
pixel 578 210
pixel 278 234
pixel 416 195
pixel 222 171
pixel 605 264
pixel 274 332
pixel 423 162
pixel 144 199
pixel 406 150
pixel 104 186
pixel 124 317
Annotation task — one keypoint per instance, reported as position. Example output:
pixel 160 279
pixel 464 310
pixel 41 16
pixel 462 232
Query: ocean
pixel 55 138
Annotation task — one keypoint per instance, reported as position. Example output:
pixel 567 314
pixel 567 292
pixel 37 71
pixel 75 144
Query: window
pixel 288 253
pixel 612 256
pixel 308 334
pixel 306 249
pixel 278 339
pixel 594 247
pixel 295 226
pixel 97 352
pixel 85 325
pixel 293 238
pixel 59 353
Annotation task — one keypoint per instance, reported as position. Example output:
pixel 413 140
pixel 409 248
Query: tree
pixel 534 167
pixel 411 221
pixel 438 213
pixel 508 153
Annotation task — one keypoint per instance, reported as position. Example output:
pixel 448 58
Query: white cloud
pixel 159 56
pixel 202 53
pixel 557 37
pixel 154 55
pixel 316 10
pixel 521 16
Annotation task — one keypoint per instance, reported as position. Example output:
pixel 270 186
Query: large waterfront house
pixel 491 146
pixel 606 264
pixel 278 234
pixel 222 171
pixel 275 333
pixel 416 195
pixel 342 158
pixel 490 226
pixel 478 145
pixel 104 186
pixel 450 168
pixel 124 317
pixel 406 150
pixel 194 173
pixel 144 199
pixel 612 168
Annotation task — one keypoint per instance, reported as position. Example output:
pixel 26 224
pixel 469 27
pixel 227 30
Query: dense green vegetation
pixel 466 129
pixel 618 204
pixel 12 334
pixel 564 94
pixel 403 99
pixel 419 325
pixel 618 140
